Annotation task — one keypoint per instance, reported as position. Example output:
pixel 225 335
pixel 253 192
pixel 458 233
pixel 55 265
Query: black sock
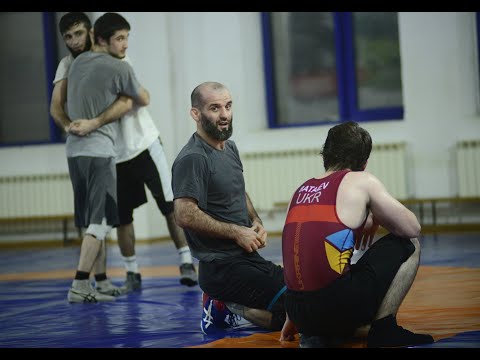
pixel 82 275
pixel 100 277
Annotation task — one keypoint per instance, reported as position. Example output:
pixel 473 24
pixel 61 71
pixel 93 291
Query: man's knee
pixel 415 243
pixel 166 208
pixel 404 247
pixel 100 231
pixel 413 247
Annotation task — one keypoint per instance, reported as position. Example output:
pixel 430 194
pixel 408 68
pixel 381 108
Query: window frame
pixel 51 58
pixel 477 27
pixel 51 62
pixel 346 78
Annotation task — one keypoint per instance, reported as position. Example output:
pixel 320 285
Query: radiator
pixel 35 195
pixel 272 177
pixel 468 168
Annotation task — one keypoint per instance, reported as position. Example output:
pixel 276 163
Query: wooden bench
pixel 433 202
pixel 38 220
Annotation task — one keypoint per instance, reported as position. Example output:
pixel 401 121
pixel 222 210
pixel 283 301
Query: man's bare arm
pixel 256 221
pixel 252 213
pixel 120 107
pixel 82 127
pixel 143 98
pixel 57 111
pixel 389 212
pixel 188 215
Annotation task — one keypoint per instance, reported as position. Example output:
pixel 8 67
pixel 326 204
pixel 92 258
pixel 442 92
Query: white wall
pixel 174 52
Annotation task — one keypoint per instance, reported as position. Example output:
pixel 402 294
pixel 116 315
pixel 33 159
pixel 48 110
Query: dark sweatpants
pixel 354 298
pixel 248 280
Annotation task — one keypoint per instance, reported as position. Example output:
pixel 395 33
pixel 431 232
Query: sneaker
pixel 107 288
pixel 188 275
pixel 133 281
pixel 216 316
pixel 386 333
pixel 83 292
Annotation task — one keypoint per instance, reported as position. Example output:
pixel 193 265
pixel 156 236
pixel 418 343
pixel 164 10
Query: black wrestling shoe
pixel 386 332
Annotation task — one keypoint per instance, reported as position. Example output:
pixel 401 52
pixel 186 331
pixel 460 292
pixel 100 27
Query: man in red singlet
pixel 328 299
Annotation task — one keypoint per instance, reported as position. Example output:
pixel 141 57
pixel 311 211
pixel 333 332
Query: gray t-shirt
pixel 215 179
pixel 94 82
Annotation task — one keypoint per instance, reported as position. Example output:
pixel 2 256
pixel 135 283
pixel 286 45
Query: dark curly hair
pixel 73 18
pixel 107 24
pixel 347 146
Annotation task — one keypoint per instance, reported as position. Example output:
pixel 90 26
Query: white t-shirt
pixel 62 69
pixel 62 73
pixel 137 129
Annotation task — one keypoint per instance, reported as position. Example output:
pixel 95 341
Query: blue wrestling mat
pixel 164 314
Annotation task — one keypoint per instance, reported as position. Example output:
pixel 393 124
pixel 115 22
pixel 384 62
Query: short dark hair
pixel 73 18
pixel 107 24
pixel 347 146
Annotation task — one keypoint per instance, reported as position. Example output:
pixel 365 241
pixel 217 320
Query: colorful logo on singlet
pixel 339 249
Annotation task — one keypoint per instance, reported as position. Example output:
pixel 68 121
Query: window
pixel 323 67
pixel 27 66
pixel 477 24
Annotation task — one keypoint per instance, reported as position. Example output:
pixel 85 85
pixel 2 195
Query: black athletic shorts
pixel 249 280
pixel 132 176
pixel 353 299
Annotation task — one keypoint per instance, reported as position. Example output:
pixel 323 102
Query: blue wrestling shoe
pixel 216 316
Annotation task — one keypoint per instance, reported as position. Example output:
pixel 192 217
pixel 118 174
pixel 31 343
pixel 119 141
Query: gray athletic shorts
pixel 94 181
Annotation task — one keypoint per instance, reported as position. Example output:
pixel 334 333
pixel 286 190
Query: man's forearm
pixel 252 213
pixel 60 117
pixel 202 223
pixel 115 111
pixel 57 111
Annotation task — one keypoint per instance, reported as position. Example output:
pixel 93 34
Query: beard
pixel 88 46
pixel 117 56
pixel 211 129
